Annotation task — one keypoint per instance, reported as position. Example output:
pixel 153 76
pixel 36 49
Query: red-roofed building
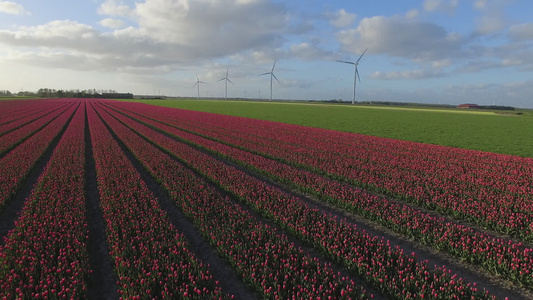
pixel 467 105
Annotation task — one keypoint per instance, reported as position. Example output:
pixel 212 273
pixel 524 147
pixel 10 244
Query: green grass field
pixel 507 133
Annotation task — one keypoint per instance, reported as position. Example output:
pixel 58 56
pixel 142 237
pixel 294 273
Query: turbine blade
pixel 264 74
pixel 273 66
pixel 361 55
pixel 195 84
pixel 346 62
pixel 221 79
pixel 357 73
pixel 229 80
pixel 275 78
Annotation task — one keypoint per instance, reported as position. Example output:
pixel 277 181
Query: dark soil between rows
pixel 102 281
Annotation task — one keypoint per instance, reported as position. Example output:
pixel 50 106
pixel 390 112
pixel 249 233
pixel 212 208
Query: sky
pixel 425 51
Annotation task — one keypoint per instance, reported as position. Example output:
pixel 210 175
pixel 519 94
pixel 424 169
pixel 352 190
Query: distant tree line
pixel 500 107
pixel 73 93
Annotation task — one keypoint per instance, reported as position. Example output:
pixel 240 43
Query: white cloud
pixel 212 28
pixel 475 66
pixel 441 63
pixel 521 32
pixel 342 18
pixel 266 56
pixel 67 39
pixel 491 23
pixel 492 17
pixel 163 32
pixel 50 33
pixel 519 60
pixel 410 74
pixel 306 51
pixel 245 1
pixel 480 4
pixel 401 37
pixel 112 23
pixel 413 13
pixel 114 8
pixel 445 6
pixel 512 62
pixel 12 8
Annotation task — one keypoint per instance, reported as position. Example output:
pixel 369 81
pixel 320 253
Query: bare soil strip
pixel 15 205
pixel 498 287
pixel 218 267
pixel 102 281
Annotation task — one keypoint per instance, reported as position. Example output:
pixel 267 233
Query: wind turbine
pixel 271 76
pixel 226 79
pixel 198 84
pixel 356 73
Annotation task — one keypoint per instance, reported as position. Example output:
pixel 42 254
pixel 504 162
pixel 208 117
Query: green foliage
pixel 506 133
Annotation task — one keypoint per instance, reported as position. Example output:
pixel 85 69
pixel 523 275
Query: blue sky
pixel 428 51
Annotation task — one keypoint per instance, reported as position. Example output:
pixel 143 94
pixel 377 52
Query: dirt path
pixel 102 280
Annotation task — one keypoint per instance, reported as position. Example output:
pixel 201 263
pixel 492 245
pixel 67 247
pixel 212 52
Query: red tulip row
pixel 505 258
pixel 12 109
pixel 17 164
pixel 45 255
pixel 385 267
pixel 262 257
pixel 405 170
pixel 11 139
pixel 336 142
pixel 503 211
pixel 15 122
pixel 151 259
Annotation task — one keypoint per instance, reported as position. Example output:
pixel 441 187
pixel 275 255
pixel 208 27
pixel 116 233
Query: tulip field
pixel 122 200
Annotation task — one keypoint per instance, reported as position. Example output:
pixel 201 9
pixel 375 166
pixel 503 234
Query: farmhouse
pixel 467 105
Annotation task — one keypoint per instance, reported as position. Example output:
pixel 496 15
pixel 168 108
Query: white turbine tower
pixel 198 84
pixel 226 79
pixel 356 73
pixel 271 76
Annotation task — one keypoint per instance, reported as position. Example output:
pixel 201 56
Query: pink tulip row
pixel 387 268
pixel 151 258
pixel 505 258
pixel 15 122
pixel 17 164
pixel 424 174
pixel 11 139
pixel 45 255
pixel 263 258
